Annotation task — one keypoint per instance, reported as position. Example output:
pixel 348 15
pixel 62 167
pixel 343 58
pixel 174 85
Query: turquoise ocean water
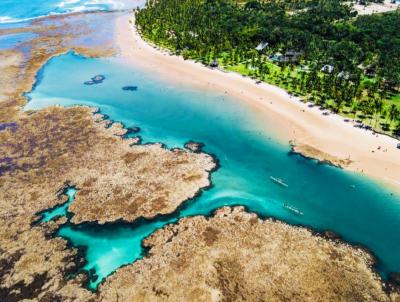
pixel 12 11
pixel 356 208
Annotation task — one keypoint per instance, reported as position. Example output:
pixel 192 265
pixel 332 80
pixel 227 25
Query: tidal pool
pixel 9 41
pixel 60 210
pixel 358 209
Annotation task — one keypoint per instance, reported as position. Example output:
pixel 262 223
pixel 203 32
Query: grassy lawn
pixel 395 100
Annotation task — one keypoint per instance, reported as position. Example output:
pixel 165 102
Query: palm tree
pixel 393 113
pixel 378 106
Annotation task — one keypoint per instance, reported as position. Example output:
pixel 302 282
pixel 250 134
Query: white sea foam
pixel 78 9
pixel 7 19
pixel 62 4
pixel 111 4
pixel 91 5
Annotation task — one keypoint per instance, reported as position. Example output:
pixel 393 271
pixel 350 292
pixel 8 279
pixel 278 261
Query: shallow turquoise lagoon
pixel 60 210
pixel 356 208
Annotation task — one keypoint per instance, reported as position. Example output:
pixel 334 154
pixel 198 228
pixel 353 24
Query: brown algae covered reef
pixel 46 38
pixel 235 256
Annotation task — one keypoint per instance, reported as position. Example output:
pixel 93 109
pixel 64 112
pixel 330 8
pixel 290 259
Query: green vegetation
pixel 318 49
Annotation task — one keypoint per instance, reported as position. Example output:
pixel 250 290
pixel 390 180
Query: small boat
pixel 278 181
pixel 293 209
pixel 130 88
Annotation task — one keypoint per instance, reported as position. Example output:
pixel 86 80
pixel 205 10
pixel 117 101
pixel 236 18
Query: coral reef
pixel 235 256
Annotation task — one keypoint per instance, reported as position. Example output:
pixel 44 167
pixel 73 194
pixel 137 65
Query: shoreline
pixel 172 231
pixel 375 155
pixel 36 242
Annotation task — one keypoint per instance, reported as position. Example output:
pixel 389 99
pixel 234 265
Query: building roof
pixel 327 68
pixel 262 46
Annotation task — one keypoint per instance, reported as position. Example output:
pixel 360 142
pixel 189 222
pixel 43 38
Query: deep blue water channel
pixel 360 210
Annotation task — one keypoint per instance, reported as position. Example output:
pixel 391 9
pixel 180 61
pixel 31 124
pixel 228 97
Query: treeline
pixel 321 32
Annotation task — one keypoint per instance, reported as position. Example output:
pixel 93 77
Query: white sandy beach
pixel 374 155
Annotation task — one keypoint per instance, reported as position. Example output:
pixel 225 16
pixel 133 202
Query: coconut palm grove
pixel 319 49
